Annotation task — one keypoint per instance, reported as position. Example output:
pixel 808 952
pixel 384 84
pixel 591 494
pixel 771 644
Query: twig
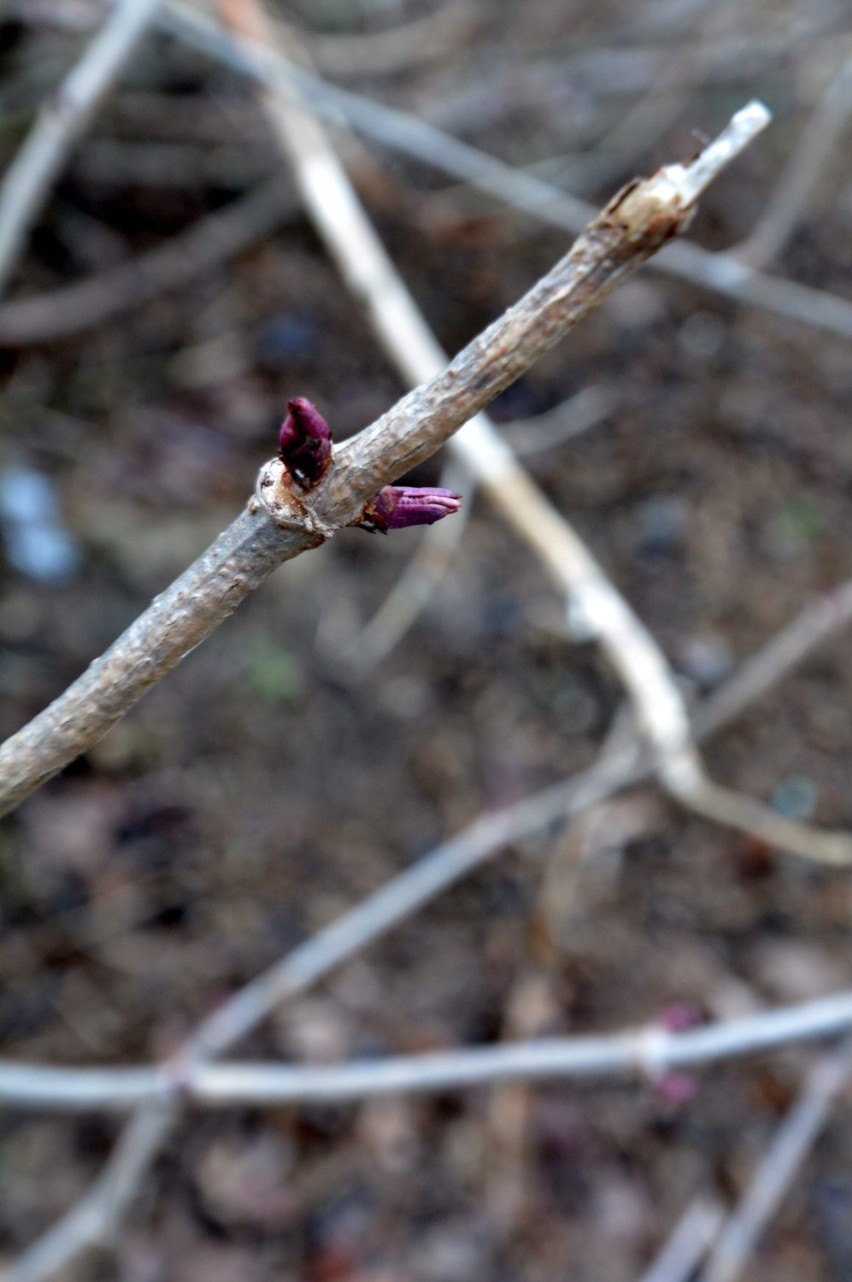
pixel 276 527
pixel 43 318
pixel 605 614
pixel 94 1218
pixel 646 1053
pixel 367 922
pixel 401 47
pixel 86 1223
pixel 176 621
pixel 817 622
pixel 803 170
pixel 61 121
pixel 722 273
pixel 688 1242
pixel 416 585
pixel 777 1169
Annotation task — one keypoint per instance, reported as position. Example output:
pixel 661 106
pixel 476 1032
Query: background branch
pixel 60 122
pixel 649 1053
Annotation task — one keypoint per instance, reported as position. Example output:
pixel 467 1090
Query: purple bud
pixel 397 506
pixel 304 442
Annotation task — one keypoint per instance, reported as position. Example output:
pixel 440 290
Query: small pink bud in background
pixel 676 1088
pixel 397 506
pixel 674 1085
pixel 304 442
pixel 679 1016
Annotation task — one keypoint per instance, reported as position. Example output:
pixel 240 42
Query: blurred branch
pixel 398 49
pixel 802 172
pixel 61 120
pixel 88 1222
pixel 415 587
pixel 688 1242
pixel 645 1053
pixel 722 273
pixel 43 318
pixel 779 1166
pixel 279 524
pixel 94 1219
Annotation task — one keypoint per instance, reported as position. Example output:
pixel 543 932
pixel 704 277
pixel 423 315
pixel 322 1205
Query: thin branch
pixel 93 1220
pixel 43 318
pixel 688 1243
pixel 645 1053
pixel 606 616
pixel 817 622
pixel 60 122
pixel 85 1224
pixel 779 1166
pixel 800 176
pixel 278 525
pixel 397 321
pixel 175 622
pixel 722 273
pixel 399 48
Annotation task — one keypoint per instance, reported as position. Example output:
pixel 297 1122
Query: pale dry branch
pixel 817 622
pixel 779 1166
pixel 90 1221
pixel 417 584
pixel 399 325
pixel 397 49
pixel 94 1220
pixel 278 525
pixel 87 1223
pixel 605 615
pixel 688 1242
pixel 43 318
pixel 61 121
pixel 646 1053
pixel 721 273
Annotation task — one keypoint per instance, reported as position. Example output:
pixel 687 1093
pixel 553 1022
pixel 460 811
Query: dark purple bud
pixel 304 442
pixel 397 506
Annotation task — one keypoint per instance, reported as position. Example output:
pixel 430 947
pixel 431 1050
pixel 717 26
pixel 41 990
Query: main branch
pixel 639 221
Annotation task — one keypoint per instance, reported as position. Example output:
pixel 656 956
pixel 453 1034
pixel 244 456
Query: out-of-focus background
pixel 265 786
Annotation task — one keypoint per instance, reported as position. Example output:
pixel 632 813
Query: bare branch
pixel 61 121
pixel 43 318
pixel 398 323
pixel 722 273
pixel 777 1170
pixel 86 1223
pixel 94 1218
pixel 647 1053
pixel 277 526
pixel 688 1243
